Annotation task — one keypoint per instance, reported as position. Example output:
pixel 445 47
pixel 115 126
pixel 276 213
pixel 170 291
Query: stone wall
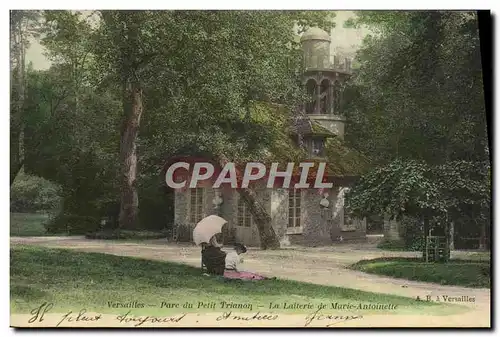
pixel 320 226
pixel 180 207
pixel 315 219
pixel 323 226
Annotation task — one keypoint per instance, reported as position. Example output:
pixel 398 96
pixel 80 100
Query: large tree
pixel 187 79
pixel 241 58
pixel 23 26
pixel 71 116
pixel 417 109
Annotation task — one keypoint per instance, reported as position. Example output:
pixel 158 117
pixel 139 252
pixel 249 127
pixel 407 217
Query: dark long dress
pixel 214 259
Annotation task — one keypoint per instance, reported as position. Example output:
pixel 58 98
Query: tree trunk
pixel 452 235
pixel 268 237
pixel 425 227
pixel 482 236
pixel 132 106
pixel 16 133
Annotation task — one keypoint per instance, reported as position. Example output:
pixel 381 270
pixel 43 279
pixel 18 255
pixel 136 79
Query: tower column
pixel 331 102
pixel 317 106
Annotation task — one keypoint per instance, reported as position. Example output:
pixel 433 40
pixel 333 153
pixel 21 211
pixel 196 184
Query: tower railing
pixel 333 62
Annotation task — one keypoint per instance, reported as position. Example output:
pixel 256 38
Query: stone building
pixel 299 216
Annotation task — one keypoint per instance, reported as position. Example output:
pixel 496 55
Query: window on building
pixel 244 217
pixel 196 202
pixel 317 147
pixel 294 203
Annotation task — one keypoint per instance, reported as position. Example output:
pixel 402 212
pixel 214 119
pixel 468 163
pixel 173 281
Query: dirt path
pixel 315 265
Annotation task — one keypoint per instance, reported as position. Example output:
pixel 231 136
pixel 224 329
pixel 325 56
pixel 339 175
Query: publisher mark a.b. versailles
pixel 446 298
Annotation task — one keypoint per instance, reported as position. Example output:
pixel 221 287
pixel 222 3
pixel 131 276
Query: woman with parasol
pixel 212 257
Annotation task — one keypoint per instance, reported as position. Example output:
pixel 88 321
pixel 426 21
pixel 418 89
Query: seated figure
pixel 213 258
pixel 233 261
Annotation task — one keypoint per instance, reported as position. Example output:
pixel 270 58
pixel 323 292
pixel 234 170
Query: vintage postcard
pixel 249 169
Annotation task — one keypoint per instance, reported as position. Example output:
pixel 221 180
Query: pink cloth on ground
pixel 242 275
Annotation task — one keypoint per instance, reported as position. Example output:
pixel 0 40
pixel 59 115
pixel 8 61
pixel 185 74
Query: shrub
pixel 412 233
pixel 30 194
pixel 73 224
pixel 396 245
pixel 110 211
pixel 156 208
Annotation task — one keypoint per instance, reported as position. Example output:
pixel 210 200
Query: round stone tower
pixel 316 47
pixel 324 79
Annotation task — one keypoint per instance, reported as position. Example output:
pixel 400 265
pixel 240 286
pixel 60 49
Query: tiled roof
pixel 306 126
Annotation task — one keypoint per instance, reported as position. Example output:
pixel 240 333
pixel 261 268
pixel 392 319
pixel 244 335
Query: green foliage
pixel 74 111
pixel 28 224
pixel 71 120
pixel 23 27
pixel 412 233
pixel 395 189
pixel 156 207
pixel 416 109
pixel 73 224
pixel 415 188
pixel 61 140
pixel 473 274
pixel 408 98
pixel 392 245
pixel 30 194
pixel 242 57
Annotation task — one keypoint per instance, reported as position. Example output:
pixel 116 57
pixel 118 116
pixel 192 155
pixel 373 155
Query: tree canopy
pixel 417 110
pixel 127 89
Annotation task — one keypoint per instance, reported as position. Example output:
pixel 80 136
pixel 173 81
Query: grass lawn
pixel 466 273
pixel 476 256
pixel 73 280
pixel 27 224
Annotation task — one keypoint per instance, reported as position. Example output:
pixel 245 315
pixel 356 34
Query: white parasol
pixel 207 228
